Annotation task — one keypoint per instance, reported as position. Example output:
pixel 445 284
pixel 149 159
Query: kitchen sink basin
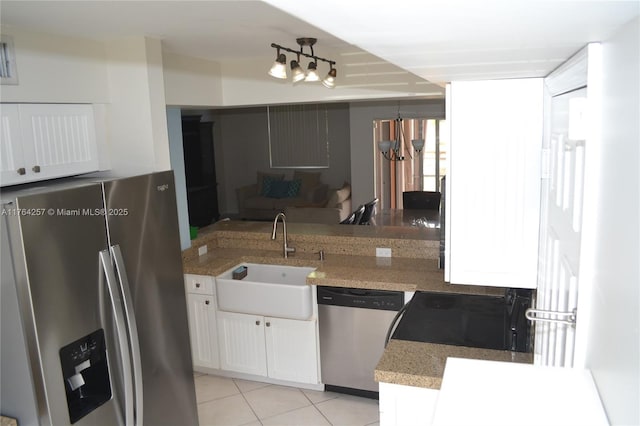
pixel 269 290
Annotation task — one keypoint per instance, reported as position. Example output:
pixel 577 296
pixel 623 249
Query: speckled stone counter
pixel 350 261
pixel 422 364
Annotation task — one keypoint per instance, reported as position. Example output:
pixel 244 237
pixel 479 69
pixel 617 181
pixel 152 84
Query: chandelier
pixel 393 150
pixel 279 67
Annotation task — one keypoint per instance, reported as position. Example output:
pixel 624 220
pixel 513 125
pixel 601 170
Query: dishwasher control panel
pixel 361 298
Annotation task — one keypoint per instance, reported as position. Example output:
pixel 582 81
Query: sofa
pixel 335 210
pixel 272 194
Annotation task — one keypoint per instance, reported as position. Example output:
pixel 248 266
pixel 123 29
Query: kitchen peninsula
pixel 350 261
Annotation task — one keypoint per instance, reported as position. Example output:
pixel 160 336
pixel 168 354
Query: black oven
pixel 480 321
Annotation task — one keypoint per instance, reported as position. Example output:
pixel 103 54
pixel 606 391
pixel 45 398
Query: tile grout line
pixel 247 401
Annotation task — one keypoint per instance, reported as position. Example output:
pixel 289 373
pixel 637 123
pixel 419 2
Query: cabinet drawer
pixel 199 284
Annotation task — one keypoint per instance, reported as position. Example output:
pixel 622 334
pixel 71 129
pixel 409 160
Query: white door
pixel 12 162
pixel 291 350
pixel 241 340
pixel 564 205
pixel 62 139
pixel 493 183
pixel 203 330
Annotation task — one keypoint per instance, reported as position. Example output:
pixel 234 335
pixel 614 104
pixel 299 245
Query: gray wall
pixel 614 338
pixel 362 115
pixel 242 135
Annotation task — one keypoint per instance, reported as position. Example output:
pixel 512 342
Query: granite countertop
pixel 340 270
pixel 346 265
pixel 422 364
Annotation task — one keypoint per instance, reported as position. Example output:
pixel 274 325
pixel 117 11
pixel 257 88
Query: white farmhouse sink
pixel 270 290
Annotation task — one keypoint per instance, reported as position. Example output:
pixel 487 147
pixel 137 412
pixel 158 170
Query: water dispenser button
pixel 75 381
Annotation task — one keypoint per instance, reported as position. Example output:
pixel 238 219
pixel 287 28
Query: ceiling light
pixel 393 150
pixel 330 80
pixel 418 144
pixel 297 73
pixel 312 73
pixel 279 67
pixel 278 70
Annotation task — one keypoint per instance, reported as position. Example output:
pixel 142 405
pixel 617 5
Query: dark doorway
pixel 200 170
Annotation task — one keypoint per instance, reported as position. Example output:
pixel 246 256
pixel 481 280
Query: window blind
pixel 298 136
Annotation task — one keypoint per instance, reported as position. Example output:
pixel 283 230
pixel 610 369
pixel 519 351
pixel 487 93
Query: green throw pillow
pixel 267 185
pixel 284 189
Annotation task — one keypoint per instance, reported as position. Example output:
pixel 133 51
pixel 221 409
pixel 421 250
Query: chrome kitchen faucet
pixel 285 249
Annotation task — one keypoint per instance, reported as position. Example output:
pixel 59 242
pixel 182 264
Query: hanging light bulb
pixel 297 73
pixel 312 74
pixel 279 67
pixel 330 80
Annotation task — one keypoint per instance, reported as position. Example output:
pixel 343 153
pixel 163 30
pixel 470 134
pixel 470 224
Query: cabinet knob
pixel 197 285
pixel 206 302
pixel 268 324
pixel 21 171
pixel 36 169
pixel 257 322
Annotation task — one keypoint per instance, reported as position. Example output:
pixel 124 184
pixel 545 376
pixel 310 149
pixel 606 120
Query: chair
pixel 421 200
pixel 369 210
pixel 354 218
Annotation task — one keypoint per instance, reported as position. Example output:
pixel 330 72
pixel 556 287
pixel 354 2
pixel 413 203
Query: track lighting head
pixel 279 69
pixel 297 73
pixel 330 80
pixel 312 73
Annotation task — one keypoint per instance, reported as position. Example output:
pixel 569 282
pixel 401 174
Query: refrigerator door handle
pixel 134 344
pixel 121 332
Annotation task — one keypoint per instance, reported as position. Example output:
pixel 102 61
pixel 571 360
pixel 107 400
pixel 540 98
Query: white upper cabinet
pixel 493 182
pixel 46 141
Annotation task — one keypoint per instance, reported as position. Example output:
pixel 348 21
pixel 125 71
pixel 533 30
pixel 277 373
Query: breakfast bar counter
pixel 350 261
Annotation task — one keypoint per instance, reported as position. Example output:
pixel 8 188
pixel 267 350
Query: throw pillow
pixel 267 185
pixel 262 175
pixel 294 188
pixel 339 195
pixel 284 189
pixel 309 180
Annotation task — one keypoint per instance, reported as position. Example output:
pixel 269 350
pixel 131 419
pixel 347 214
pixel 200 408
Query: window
pixel 298 136
pixel 8 70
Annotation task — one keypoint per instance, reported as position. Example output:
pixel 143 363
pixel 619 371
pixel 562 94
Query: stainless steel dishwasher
pixel 353 325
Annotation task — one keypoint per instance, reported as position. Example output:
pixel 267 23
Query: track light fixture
pixel 279 69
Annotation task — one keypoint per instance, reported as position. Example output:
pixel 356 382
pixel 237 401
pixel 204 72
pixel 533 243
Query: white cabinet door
pixel 493 182
pixel 203 330
pixel 12 163
pixel 241 340
pixel 291 350
pixel 402 405
pixel 56 140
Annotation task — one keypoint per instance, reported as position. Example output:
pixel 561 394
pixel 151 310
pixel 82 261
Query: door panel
pixel 561 231
pixel 142 219
pixel 63 291
pixel 242 345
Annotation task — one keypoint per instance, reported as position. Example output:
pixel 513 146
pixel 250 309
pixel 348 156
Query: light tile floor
pixel 228 402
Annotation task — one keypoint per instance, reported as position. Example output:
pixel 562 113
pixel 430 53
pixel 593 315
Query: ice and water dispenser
pixel 86 374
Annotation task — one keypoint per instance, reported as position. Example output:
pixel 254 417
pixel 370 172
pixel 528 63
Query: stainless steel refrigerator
pixel 94 319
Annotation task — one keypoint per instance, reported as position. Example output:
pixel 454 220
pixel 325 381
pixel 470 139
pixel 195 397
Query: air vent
pixel 8 70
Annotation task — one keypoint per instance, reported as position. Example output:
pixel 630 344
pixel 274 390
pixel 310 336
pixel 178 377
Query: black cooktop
pixel 456 319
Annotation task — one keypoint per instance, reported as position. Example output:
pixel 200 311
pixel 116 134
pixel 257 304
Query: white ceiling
pixel 443 41
pixel 439 41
